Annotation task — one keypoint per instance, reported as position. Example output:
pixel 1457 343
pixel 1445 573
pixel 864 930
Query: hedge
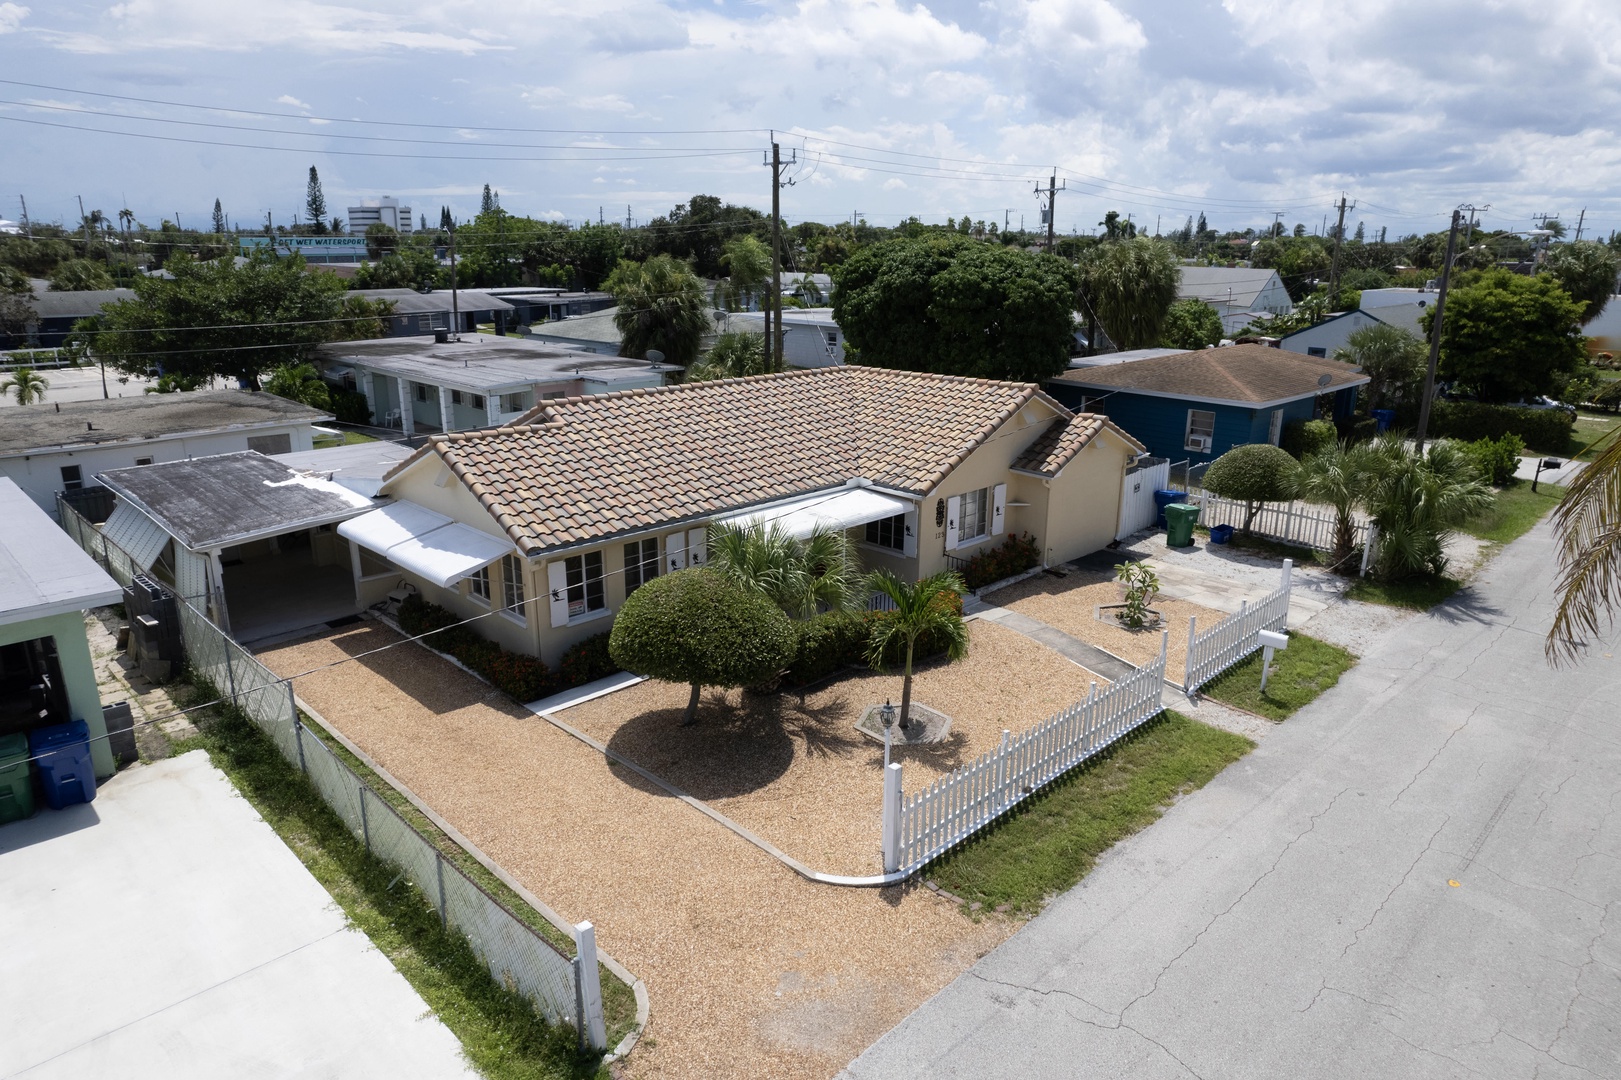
pixel 829 643
pixel 1303 438
pixel 1016 555
pixel 1542 429
pixel 518 675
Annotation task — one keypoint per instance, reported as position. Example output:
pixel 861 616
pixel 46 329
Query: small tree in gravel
pixel 1253 474
pixel 695 626
pixel 931 608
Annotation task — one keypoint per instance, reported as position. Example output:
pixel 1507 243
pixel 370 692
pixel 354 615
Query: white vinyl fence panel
pixel 1137 509
pixel 1236 636
pixel 1306 524
pixel 950 810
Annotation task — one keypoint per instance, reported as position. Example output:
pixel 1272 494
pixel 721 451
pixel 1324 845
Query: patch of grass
pixel 499 1030
pixel 1052 840
pixel 1517 509
pixel 1419 593
pixel 1299 673
pixel 346 438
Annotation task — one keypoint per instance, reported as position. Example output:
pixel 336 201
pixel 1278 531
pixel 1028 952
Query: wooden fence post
pixel 892 818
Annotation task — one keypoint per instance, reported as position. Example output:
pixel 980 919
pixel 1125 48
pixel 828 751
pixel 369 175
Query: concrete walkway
pixel 164 931
pixel 1090 657
pixel 1419 875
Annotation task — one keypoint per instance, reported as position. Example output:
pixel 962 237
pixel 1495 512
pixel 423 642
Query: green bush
pixel 518 675
pixel 1016 555
pixel 1303 438
pixel 825 644
pixel 1545 429
pixel 349 406
pixel 1608 396
pixel 1496 458
pixel 927 645
pixel 586 662
pixel 1254 473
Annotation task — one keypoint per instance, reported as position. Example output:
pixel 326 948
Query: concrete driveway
pixel 1417 876
pixel 165 931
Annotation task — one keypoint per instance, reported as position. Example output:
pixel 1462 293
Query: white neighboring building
pixel 62 446
pixel 1238 293
pixel 811 339
pixel 384 211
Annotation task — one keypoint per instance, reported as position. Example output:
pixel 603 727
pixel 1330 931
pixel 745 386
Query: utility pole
pixel 27 230
pixel 455 299
pixel 1007 215
pixel 1435 331
pixel 85 222
pixel 1051 194
pixel 1334 265
pixel 1580 218
pixel 628 224
pixel 773 311
pixel 1277 223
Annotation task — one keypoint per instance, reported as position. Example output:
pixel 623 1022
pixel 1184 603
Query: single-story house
pixel 555 519
pixel 811 339
pixel 424 385
pixel 62 446
pixel 593 332
pixel 1322 339
pixel 46 584
pixel 424 312
pixel 55 314
pixel 243 537
pixel 538 304
pixel 1198 405
pixel 1238 293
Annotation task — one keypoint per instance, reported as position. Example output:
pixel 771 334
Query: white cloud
pixel 11 17
pixel 288 99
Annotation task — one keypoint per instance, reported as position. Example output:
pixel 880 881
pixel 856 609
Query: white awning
pixel 141 537
pixel 426 543
pixel 844 508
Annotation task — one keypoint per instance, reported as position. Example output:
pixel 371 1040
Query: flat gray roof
pixel 212 502
pixel 597 328
pixel 481 362
pixel 42 571
pixel 359 466
pixel 49 304
pixel 32 428
pixel 411 302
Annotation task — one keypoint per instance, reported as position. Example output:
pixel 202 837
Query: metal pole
pixel 439 868
pixel 298 732
pixel 365 825
pixel 1435 334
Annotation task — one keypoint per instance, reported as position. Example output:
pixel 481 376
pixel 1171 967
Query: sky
pixel 1160 109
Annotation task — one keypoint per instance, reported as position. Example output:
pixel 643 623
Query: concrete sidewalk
pixel 1418 875
pixel 165 931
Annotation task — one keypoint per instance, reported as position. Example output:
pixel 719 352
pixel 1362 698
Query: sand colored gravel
pixel 752 970
pixel 792 768
pixel 1067 603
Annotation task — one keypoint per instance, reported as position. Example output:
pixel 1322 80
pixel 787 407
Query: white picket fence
pixel 1236 636
pixel 953 808
pixel 1305 524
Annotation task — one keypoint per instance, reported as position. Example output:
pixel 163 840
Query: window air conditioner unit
pixel 1200 443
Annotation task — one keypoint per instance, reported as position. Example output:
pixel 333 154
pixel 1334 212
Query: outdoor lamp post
pixel 886 716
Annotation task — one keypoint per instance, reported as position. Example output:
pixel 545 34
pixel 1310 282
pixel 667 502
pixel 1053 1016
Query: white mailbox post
pixel 1270 640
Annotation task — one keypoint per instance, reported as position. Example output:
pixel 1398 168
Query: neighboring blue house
pixel 1198 405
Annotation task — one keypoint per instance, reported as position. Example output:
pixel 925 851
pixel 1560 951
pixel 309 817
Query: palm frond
pixel 1587 526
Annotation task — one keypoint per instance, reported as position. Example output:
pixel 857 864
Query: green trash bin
pixel 16 785
pixel 1180 518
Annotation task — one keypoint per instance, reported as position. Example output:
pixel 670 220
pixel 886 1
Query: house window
pixel 455 397
pixel 512 585
pixel 1201 430
pixel 477 401
pixel 971 526
pixel 641 563
pixel 832 339
pixel 421 391
pixel 584 584
pixel 888 532
pixel 72 478
pixel 1317 350
pixel 478 584
pixel 514 402
pixel 143 461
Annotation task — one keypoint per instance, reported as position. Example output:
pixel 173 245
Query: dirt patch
pixel 752 971
pixel 1068 602
pixel 792 768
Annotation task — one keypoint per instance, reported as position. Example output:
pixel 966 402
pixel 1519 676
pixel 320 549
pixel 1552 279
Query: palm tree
pixel 661 306
pixel 298 382
pixel 734 355
pixel 1130 287
pixel 1416 499
pixel 1338 476
pixel 802 576
pixel 932 607
pixel 748 268
pixel 1587 526
pixel 26 385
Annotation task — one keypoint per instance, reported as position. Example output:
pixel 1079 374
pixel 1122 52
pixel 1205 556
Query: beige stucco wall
pixel 1084 500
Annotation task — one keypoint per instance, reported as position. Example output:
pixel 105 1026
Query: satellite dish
pixel 1324 379
pixel 654 356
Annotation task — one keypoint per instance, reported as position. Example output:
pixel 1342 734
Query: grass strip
pixel 1417 594
pixel 1299 674
pixel 1053 839
pixel 502 1035
pixel 1514 511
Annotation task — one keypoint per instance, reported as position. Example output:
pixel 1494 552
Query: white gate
pixel 1137 509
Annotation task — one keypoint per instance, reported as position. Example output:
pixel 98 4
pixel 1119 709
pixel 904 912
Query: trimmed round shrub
pixel 696 627
pixel 1253 474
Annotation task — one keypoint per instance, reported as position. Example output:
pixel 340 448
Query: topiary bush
pixel 696 627
pixel 1303 438
pixel 1255 473
pixel 1015 555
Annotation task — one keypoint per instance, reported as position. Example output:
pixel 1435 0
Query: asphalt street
pixel 1417 876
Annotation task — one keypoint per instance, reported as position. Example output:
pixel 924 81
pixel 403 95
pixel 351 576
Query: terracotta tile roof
pixel 1252 374
pixel 1063 440
pixel 586 468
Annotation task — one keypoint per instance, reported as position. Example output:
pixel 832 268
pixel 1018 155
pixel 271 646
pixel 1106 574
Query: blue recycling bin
pixel 1220 534
pixel 1383 418
pixel 62 762
pixel 1162 499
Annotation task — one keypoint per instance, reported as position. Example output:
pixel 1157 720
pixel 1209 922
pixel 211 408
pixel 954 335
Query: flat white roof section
pixel 835 511
pixel 141 538
pixel 42 571
pixel 426 543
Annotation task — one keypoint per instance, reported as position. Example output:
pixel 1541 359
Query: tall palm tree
pixel 1130 286
pixel 801 576
pixel 932 607
pixel 26 385
pixel 1417 499
pixel 661 305
pixel 1339 476
pixel 1587 526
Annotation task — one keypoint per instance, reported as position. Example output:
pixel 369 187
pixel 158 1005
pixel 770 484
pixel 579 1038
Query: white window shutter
pixel 557 591
pixel 953 515
pixel 910 547
pixel 675 553
pixel 697 547
pixel 998 507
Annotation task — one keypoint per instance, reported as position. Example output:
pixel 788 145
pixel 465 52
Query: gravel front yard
pixel 1067 604
pixel 752 971
pixel 793 769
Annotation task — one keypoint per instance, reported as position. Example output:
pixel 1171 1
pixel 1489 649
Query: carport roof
pixel 212 502
pixel 42 571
